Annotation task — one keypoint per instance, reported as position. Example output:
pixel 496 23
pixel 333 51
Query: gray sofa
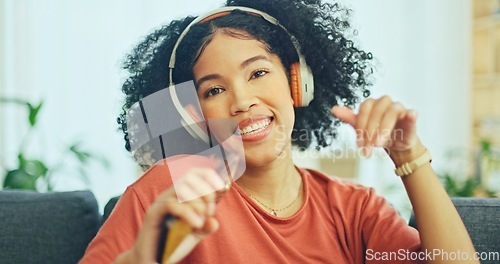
pixel 56 227
pixel 46 227
pixel 481 217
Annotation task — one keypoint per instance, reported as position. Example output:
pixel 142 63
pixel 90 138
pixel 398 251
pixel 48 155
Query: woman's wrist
pixel 399 157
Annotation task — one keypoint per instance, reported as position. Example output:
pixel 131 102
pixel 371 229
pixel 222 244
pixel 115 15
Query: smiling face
pixel 239 80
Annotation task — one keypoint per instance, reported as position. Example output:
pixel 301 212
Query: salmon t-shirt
pixel 339 222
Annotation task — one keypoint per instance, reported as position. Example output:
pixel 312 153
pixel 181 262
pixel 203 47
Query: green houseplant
pixel 467 174
pixel 35 173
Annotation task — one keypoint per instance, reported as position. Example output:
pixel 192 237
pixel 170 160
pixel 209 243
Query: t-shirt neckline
pixel 267 214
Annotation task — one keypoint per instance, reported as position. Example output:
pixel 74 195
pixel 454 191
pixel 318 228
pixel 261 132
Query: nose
pixel 242 100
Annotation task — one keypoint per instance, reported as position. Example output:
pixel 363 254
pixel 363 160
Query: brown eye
pixel 259 73
pixel 213 91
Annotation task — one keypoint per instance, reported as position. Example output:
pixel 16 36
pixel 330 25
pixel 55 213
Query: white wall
pixel 69 52
pixel 2 77
pixel 423 48
pixel 422 52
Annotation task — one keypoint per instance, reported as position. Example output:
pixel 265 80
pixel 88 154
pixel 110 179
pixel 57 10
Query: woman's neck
pixel 276 183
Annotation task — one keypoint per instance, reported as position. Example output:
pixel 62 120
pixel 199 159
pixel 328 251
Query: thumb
pixel 345 114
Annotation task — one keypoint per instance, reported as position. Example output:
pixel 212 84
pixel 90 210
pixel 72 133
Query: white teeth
pixel 255 127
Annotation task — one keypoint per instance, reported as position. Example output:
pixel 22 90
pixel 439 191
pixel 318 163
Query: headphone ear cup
pixel 296 84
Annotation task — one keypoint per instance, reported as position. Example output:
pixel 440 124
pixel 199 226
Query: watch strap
pixel 409 167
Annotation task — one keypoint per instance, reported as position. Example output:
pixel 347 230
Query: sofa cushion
pixel 481 217
pixel 46 227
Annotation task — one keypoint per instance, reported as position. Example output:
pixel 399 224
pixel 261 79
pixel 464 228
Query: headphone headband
pixel 222 12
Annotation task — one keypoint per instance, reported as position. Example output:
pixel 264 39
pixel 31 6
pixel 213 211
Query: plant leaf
pixel 13 100
pixel 36 168
pixel 19 179
pixel 34 112
pixel 33 167
pixel 485 145
pixel 22 160
pixel 469 187
pixel 83 156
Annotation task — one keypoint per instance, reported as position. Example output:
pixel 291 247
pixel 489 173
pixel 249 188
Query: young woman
pixel 241 64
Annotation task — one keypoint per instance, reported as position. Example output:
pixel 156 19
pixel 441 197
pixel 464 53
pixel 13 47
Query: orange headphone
pixel 302 81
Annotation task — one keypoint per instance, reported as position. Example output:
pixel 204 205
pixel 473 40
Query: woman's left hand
pixel 382 123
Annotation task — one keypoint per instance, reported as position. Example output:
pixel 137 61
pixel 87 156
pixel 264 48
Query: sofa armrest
pixel 481 217
pixel 46 227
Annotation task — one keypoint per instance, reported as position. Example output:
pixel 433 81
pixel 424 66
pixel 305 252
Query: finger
pixel 407 124
pixel 147 240
pixel 196 203
pixel 184 190
pixel 345 114
pixel 214 183
pixel 160 207
pixel 198 182
pixel 205 185
pixel 408 121
pixel 412 115
pixel 210 226
pixel 167 203
pixel 376 114
pixel 211 177
pixel 362 119
pixel 204 204
pixel 190 212
pixel 388 122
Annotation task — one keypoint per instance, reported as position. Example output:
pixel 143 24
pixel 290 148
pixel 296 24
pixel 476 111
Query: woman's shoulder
pixel 334 182
pixel 151 183
pixel 340 191
pixel 345 196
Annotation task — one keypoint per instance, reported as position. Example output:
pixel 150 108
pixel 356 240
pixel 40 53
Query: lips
pixel 255 127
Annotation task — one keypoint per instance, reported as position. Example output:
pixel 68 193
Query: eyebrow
pixel 252 59
pixel 242 65
pixel 207 78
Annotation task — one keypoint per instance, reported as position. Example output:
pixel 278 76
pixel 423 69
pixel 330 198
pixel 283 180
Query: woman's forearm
pixel 440 226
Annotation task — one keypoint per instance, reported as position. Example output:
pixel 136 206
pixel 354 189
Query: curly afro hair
pixel 341 70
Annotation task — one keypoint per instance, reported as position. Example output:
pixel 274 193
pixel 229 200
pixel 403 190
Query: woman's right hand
pixel 197 212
